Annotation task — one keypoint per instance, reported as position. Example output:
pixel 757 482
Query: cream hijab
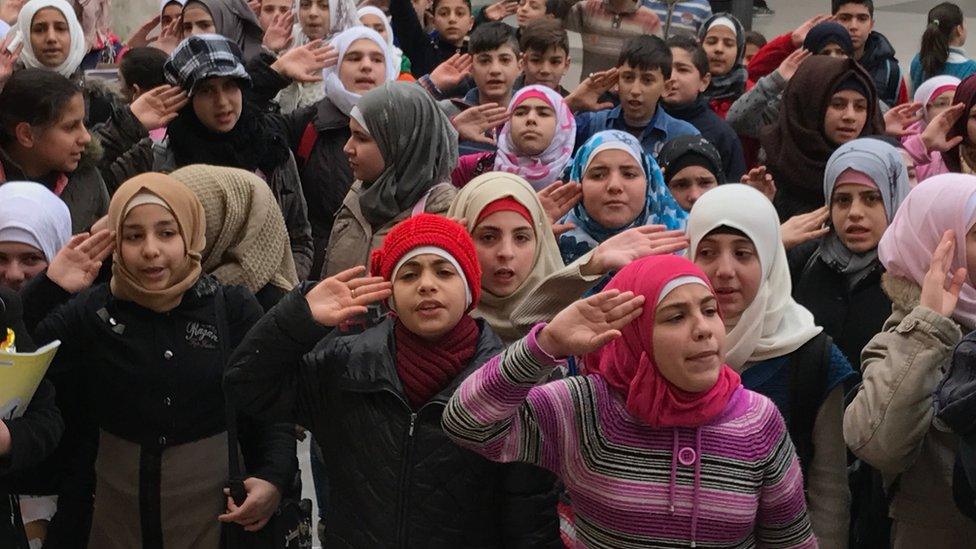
pixel 76 50
pixel 468 204
pixel 774 324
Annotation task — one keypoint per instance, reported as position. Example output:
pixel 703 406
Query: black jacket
pixel 850 311
pixel 424 51
pixel 716 131
pixel 396 480
pixel 879 60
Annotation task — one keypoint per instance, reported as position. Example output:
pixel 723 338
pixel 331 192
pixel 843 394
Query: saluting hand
pixel 590 323
pixel 344 296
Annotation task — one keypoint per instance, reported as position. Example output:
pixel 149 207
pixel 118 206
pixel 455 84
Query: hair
pixel 558 8
pixel 755 38
pixel 491 36
pixel 646 53
pixel 698 56
pixel 143 67
pixel 35 96
pixel 942 22
pixel 435 3
pixel 836 5
pixel 542 34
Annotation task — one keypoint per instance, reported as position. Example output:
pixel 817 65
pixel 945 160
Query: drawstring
pixel 694 505
pixel 674 470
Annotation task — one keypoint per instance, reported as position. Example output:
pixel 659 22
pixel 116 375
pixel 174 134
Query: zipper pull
pixel 413 421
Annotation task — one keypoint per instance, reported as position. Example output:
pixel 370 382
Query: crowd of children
pixel 717 294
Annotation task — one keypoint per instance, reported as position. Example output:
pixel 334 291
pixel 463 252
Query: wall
pixel 127 15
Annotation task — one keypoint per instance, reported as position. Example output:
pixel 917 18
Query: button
pixel 168 401
pixel 168 354
pixel 162 441
pixel 687 456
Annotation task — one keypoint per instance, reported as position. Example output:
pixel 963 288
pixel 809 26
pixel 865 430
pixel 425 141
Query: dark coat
pixel 396 480
pixel 717 132
pixel 879 60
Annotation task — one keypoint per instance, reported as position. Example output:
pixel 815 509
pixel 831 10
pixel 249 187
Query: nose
pixel 13 275
pixel 348 149
pixel 615 183
pixel 849 112
pixel 427 283
pixel 506 249
pixel 700 329
pixel 85 137
pixel 150 247
pixel 856 211
pixel 695 193
pixel 724 267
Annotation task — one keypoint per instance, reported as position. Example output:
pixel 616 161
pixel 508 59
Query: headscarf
pixel 965 94
pixel 933 88
pixel 796 147
pixel 733 83
pixel 246 239
pixel 940 203
pixel 418 144
pixel 468 205
pixel 690 150
pixel 235 20
pixel 659 206
pixel 204 56
pixel 164 3
pixel 76 50
pixel 542 170
pixel 396 53
pixel 342 16
pixel 189 215
pixel 882 164
pixel 627 363
pixel 825 34
pixel 772 325
pixel 335 91
pixel 31 214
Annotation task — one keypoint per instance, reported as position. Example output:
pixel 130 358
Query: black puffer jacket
pixel 396 480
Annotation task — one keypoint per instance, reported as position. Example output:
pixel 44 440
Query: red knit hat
pixel 506 204
pixel 429 230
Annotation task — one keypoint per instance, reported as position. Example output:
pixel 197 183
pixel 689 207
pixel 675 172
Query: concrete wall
pixel 127 15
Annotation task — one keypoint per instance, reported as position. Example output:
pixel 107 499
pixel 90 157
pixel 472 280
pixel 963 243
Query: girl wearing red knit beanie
pixel 373 400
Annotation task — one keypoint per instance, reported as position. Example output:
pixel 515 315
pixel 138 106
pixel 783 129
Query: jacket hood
pixel 904 293
pixel 877 48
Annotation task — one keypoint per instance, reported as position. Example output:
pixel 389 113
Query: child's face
pixel 731 263
pixel 271 9
pixel 365 158
pixel 494 73
pixel 720 46
pixel 197 20
pixel 689 184
pixel 170 13
pixel 506 246
pixel 751 50
pixel 429 295
pixel 530 10
pixel 453 21
pixel 858 216
pixel 614 189
pixel 846 115
pixel 19 263
pixel 640 91
pixel 50 37
pixel 58 147
pixel 217 102
pixel 152 247
pixel 313 16
pixel 686 82
pixel 532 127
pixel 688 338
pixel 856 18
pixel 373 21
pixel 363 66
pixel 545 68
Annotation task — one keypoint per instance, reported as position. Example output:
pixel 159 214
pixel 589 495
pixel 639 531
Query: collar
pixel 658 123
pixel 687 111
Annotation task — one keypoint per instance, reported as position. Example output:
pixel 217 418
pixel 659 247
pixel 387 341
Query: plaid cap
pixel 204 56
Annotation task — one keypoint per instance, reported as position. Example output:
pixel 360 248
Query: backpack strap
pixel 307 142
pixel 808 383
pixel 235 481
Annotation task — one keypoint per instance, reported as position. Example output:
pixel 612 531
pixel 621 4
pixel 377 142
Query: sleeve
pixel 915 148
pixel 829 495
pixel 499 413
pixel 886 423
pixel 126 148
pixel 266 82
pixel 411 37
pixel 35 435
pixel 556 292
pixel 528 515
pixel 782 519
pixel 734 159
pixel 464 172
pixel 295 211
pixel 51 313
pixel 757 107
pixel 770 56
pixel 262 377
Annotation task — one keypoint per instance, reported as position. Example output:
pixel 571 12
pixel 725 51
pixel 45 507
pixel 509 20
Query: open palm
pixel 76 266
pixel 344 296
pixel 590 323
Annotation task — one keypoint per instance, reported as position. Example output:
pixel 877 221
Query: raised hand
pixel 586 96
pixel 935 137
pixel 344 296
pixel 590 323
pixel 140 37
pixel 449 74
pixel 75 266
pixel 473 124
pixel 935 295
pixel 558 198
pixel 501 10
pixel 758 179
pixel 305 63
pixel 616 252
pixel 8 59
pixel 159 106
pixel 169 37
pixel 277 37
pixel 804 227
pixel 801 32
pixel 792 62
pixel 255 511
pixel 255 6
pixel 9 10
pixel 900 117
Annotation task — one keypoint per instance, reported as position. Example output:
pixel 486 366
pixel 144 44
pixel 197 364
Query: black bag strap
pixel 235 481
pixel 808 385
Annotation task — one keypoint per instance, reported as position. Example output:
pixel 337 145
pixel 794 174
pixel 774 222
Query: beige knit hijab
pixel 247 242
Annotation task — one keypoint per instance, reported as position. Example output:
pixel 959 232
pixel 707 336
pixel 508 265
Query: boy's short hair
pixel 542 34
pixel 491 36
pixel 434 4
pixel 755 38
pixel 698 56
pixel 836 5
pixel 558 8
pixel 143 67
pixel 646 53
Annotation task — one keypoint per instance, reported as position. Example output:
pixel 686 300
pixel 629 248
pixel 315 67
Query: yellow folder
pixel 20 374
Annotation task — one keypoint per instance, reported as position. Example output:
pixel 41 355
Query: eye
pixel 408 275
pixel 487 238
pixel 710 310
pixel 675 318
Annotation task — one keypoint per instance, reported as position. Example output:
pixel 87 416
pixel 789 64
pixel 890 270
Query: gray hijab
pixel 417 142
pixel 882 163
pixel 235 20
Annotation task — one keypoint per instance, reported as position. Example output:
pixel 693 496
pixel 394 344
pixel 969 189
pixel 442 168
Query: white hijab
pixel 33 215
pixel 396 52
pixel 773 325
pixel 335 91
pixel 76 51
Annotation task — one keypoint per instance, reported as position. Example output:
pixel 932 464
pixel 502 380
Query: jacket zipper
pixel 404 481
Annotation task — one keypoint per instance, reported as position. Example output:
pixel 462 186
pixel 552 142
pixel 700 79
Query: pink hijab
pixel 540 171
pixel 940 203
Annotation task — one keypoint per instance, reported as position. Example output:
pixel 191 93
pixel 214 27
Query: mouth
pixel 429 307
pixel 634 104
pixel 847 131
pixel 495 83
pixel 365 81
pixel 856 231
pixel 615 204
pixel 504 275
pixel 154 274
pixel 725 292
pixel 705 355
pixel 225 117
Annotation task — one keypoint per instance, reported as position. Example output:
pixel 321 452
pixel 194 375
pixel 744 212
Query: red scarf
pixel 426 367
pixel 627 363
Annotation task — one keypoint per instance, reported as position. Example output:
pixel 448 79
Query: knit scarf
pixel 426 368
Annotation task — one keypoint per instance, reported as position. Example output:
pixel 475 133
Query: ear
pixel 24 135
pixel 137 91
pixel 706 81
pixel 522 61
pixel 569 61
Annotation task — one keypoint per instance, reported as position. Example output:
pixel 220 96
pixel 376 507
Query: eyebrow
pixel 688 304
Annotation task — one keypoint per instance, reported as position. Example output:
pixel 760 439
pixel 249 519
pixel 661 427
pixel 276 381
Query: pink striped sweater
pixel 735 482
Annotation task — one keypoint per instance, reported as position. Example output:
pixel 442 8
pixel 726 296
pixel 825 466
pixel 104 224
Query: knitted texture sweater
pixel 734 482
